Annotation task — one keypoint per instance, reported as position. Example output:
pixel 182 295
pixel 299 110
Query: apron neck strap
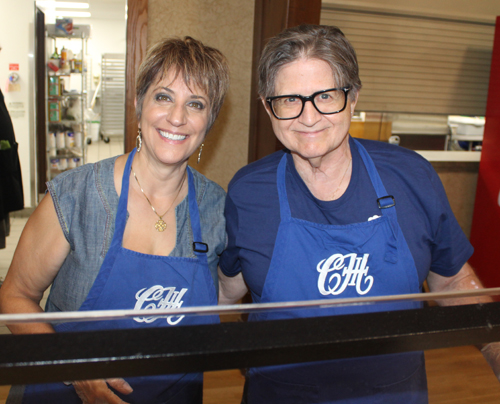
pixel 199 247
pixel 121 212
pixel 285 212
pixel 372 171
pixel 385 202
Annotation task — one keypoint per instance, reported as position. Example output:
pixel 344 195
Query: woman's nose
pixel 310 115
pixel 177 115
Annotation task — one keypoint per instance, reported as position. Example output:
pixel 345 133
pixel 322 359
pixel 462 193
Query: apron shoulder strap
pixel 199 247
pixel 285 212
pixel 121 212
pixel 385 202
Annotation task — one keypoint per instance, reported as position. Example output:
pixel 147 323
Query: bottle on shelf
pixel 64 65
pixel 55 55
pixel 64 53
pixel 54 62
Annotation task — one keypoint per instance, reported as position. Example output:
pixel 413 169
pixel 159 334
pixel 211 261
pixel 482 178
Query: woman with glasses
pixel 331 217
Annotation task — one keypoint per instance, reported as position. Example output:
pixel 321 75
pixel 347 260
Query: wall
pixel 484 10
pixel 16 40
pixel 228 26
pixel 460 182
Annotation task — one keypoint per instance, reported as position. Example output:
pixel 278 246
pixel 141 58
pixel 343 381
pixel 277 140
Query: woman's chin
pixel 311 154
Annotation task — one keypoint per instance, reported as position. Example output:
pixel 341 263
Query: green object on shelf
pixel 4 145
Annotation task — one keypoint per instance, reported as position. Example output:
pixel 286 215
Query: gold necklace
pixel 342 180
pixel 160 224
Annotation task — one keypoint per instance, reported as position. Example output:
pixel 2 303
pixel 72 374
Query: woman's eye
pixel 196 105
pixel 326 97
pixel 162 98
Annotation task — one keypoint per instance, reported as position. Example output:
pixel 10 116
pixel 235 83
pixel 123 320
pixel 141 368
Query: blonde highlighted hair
pixel 198 65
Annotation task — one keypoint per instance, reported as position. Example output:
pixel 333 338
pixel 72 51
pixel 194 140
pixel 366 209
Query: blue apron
pixel 129 279
pixel 318 261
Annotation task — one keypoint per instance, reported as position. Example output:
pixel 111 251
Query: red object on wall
pixel 485 231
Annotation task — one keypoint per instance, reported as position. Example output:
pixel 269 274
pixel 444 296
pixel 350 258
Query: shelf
pixel 458 156
pixel 57 74
pixel 65 122
pixel 66 156
pixel 66 96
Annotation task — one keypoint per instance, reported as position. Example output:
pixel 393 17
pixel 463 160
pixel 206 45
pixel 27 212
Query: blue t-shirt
pixel 434 237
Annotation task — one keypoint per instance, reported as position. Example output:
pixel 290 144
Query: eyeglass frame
pixel 304 99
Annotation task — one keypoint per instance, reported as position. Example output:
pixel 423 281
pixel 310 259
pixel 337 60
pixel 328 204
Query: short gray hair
pixel 322 42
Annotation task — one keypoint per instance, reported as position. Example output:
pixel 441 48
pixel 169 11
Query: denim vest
pixel 86 201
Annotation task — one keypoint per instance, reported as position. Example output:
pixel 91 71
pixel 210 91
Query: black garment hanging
pixel 11 186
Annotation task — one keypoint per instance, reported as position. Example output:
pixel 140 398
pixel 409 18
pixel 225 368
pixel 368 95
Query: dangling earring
pixel 138 140
pixel 199 154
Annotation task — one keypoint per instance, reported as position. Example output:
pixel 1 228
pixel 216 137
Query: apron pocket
pixel 188 390
pixel 411 390
pixel 264 389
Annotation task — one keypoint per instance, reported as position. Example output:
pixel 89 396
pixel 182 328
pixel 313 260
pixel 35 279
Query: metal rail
pixel 97 315
pixel 133 352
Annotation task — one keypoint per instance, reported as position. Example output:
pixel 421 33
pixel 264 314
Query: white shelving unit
pixel 66 102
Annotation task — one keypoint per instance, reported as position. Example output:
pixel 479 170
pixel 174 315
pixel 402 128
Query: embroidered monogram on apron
pixel 318 261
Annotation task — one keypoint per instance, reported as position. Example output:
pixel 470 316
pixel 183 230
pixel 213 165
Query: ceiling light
pixel 61 4
pixel 81 14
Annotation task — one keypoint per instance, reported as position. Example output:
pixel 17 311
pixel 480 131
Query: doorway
pixel 104 34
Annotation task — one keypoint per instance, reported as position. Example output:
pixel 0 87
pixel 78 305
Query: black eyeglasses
pixel 327 102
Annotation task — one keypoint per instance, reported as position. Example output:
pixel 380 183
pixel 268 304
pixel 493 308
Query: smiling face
pixel 174 120
pixel 312 136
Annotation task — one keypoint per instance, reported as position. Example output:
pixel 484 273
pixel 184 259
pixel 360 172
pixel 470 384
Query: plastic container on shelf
pixel 94 130
pixel 54 164
pixel 52 140
pixel 70 139
pixel 54 111
pixel 63 164
pixel 60 139
pixel 466 125
pixel 54 86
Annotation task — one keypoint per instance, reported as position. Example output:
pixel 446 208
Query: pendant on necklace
pixel 160 225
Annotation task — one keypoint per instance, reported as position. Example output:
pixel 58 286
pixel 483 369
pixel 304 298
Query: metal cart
pixel 112 96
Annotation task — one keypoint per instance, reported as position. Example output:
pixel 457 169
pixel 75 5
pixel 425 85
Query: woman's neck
pixel 328 176
pixel 157 178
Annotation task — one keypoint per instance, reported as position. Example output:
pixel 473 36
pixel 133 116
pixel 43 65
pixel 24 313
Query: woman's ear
pixel 266 107
pixel 354 102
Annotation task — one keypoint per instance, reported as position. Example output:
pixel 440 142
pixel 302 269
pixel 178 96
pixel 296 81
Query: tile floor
pixel 100 150
pixel 95 151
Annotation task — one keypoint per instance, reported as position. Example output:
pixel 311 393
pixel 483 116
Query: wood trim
pixel 40 113
pixel 272 17
pixel 137 35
